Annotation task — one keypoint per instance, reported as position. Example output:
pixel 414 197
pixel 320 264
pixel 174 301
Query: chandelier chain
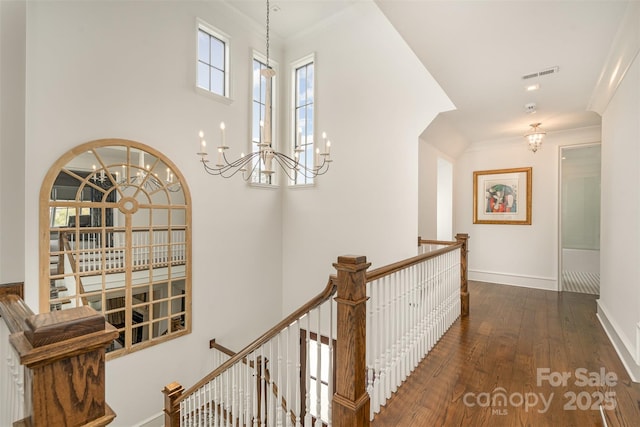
pixel 268 8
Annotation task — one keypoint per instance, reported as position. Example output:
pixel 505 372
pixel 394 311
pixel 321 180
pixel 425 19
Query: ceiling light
pixel 531 88
pixel 534 137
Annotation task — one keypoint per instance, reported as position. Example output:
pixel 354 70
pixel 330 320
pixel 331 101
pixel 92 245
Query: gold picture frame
pixel 502 196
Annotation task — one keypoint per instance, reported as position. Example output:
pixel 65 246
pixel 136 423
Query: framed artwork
pixel 502 196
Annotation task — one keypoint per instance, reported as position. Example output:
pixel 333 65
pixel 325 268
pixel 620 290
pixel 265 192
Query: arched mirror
pixel 115 228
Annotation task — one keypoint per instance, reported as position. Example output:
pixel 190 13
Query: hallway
pixel 524 357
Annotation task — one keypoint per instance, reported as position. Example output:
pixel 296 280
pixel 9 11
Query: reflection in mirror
pixel 119 241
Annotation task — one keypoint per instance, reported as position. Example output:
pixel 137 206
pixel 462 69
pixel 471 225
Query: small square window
pixel 213 61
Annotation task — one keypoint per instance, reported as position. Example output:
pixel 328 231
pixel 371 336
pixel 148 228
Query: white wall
pixel 439 140
pixel 428 191
pixel 12 123
pixel 619 302
pixel 374 98
pixel 105 69
pixel 445 200
pixel 522 255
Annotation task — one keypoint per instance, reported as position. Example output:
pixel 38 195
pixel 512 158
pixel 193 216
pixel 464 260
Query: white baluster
pixel 288 376
pixel 298 405
pixel 331 367
pixel 263 388
pixel 279 383
pixel 307 417
pixel 271 407
pixel 254 386
pixel 318 373
pixel 377 343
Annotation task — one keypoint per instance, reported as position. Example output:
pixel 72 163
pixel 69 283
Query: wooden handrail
pixel 435 242
pixel 323 296
pixel 16 288
pixel 13 309
pixel 214 345
pixel 15 312
pixel 381 272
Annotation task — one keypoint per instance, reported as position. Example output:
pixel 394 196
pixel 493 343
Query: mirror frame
pixel 45 235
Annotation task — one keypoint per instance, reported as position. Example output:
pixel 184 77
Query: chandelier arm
pixel 294 164
pixel 285 164
pixel 253 168
pixel 312 172
pixel 305 171
pixel 236 166
pixel 239 162
pixel 286 160
pixel 240 165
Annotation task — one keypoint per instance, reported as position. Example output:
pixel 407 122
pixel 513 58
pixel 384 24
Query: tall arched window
pixel 115 227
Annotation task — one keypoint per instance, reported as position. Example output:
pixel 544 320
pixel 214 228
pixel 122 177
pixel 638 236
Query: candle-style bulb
pixel 201 134
pixel 223 142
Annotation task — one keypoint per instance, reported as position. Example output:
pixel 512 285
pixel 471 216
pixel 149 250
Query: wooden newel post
pixel 171 410
pixel 64 352
pixel 351 401
pixel 464 289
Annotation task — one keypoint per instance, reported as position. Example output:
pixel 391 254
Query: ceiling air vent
pixel 546 72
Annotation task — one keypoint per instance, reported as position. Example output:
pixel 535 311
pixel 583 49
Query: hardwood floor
pixel 515 345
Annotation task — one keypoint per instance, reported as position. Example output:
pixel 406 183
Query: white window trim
pixel 226 39
pixel 274 109
pixel 293 66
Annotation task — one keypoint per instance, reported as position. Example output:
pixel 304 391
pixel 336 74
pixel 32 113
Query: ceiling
pixel 479 51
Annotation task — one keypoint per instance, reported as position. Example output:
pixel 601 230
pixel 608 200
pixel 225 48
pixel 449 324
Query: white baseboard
pixel 549 284
pixel 153 421
pixel 626 351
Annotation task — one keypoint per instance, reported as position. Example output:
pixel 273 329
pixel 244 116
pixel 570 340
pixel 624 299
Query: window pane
pixel 217 81
pixel 302 123
pixel 203 75
pixel 310 83
pixel 263 89
pixel 302 86
pixel 203 47
pixel 217 53
pixel 310 124
pixel 256 80
pixel 255 136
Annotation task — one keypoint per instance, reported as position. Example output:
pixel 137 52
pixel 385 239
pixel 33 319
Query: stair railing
pixel 411 304
pixel 261 384
pixel 387 320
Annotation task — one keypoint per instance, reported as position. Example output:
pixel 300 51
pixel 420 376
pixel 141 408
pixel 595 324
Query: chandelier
pixel 534 137
pixel 265 156
pixel 143 177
